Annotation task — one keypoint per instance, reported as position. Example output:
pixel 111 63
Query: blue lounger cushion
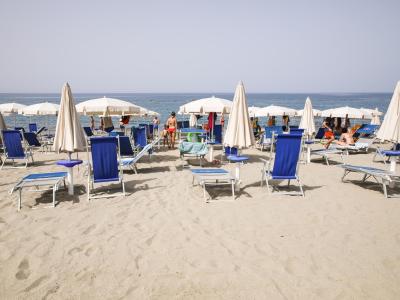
pixel 209 171
pixel 36 176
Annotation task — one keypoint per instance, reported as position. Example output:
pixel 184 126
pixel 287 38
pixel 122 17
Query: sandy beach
pixel 163 241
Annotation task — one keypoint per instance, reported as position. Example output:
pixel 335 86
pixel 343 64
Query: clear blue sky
pixel 200 46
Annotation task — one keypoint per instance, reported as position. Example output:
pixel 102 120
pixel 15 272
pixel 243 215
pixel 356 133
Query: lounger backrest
pixel 320 133
pixel 13 144
pixel 31 139
pixel 109 129
pixel 104 158
pixel 40 130
pixel 277 129
pixel 88 131
pixel 231 151
pixel 139 136
pixel 396 147
pixel 296 131
pixel 20 129
pixel 32 127
pixel 116 133
pixel 287 155
pixel 218 134
pixel 268 130
pixel 125 146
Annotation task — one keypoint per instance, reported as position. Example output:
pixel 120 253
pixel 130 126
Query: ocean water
pixel 165 103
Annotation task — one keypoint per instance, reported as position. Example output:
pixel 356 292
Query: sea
pixel 168 102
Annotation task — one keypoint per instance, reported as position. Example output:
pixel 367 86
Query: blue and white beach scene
pixel 200 149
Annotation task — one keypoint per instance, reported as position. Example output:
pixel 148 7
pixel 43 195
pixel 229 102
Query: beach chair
pixel 40 182
pixel 326 153
pixel 213 176
pixel 88 131
pixel 32 127
pixel 383 177
pixel 139 137
pixel 188 149
pixel 286 162
pixel 296 131
pixel 366 130
pixel 41 129
pixel 131 162
pixel 381 153
pixel 267 139
pixel 22 129
pixel 32 140
pixel 14 148
pixel 320 134
pixel 217 131
pixel 116 133
pixel 105 166
pixel 362 145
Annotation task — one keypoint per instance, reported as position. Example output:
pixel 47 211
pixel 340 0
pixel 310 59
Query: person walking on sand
pixel 171 123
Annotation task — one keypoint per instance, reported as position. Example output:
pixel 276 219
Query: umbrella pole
pixel 70 178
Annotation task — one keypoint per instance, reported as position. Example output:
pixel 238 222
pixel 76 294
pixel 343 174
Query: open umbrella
pixel 69 136
pixel 41 109
pixel 107 107
pixel 274 110
pixel 206 105
pixel 346 112
pixel 11 108
pixel 386 131
pixel 253 110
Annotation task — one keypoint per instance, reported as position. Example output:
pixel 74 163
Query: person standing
pixel 156 123
pixel 172 124
pixel 92 124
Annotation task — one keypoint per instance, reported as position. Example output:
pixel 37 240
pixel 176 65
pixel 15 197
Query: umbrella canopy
pixel 316 112
pixel 239 132
pixel 207 105
pixel 307 120
pixel 273 110
pixel 376 120
pixel 396 132
pixel 346 111
pixel 11 108
pixel 107 107
pixel 147 112
pixel 373 112
pixel 69 135
pixel 253 110
pixel 387 128
pixel 42 109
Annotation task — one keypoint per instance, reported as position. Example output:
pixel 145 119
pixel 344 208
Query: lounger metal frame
pixel 214 179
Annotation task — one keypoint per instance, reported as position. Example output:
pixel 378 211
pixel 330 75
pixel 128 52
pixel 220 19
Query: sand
pixel 163 241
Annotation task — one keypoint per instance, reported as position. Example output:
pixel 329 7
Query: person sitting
pixel 346 138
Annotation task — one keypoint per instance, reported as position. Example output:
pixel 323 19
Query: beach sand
pixel 163 241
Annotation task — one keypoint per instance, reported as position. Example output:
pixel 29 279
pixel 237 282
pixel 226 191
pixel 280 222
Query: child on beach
pixel 164 135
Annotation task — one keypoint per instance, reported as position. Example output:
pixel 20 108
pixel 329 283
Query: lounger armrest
pixel 266 165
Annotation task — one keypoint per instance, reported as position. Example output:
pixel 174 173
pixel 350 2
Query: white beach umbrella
pixel 373 112
pixel 69 136
pixel 316 112
pixel 307 119
pixel 239 132
pixel 253 110
pixel 346 111
pixel 107 107
pixel 386 131
pixel 146 112
pixel 207 105
pixel 11 108
pixel 274 110
pixel 41 109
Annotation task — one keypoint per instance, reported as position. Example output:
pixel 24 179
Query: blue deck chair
pixel 217 134
pixel 125 147
pixel 139 136
pixel 267 138
pixel 32 127
pixel 381 152
pixel 105 166
pixel 291 127
pixel 277 129
pixel 116 133
pixel 286 162
pixel 39 182
pixel 41 129
pixel 320 134
pixel 109 129
pixel 296 131
pixel 132 161
pixel 366 130
pixel 14 148
pixel 185 124
pixel 32 140
pixel 88 131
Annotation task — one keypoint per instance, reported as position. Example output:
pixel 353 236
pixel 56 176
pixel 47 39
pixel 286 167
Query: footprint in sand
pixel 23 270
pixel 89 229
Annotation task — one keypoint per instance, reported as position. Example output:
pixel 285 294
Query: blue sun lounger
pixel 105 165
pixel 14 149
pixel 37 180
pixel 132 161
pixel 213 176
pixel 288 148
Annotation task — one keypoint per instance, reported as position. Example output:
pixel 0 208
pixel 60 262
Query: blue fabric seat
pixel 139 136
pixel 32 127
pixel 285 167
pixel 217 131
pixel 320 134
pixel 296 131
pixel 105 164
pixel 88 131
pixel 13 147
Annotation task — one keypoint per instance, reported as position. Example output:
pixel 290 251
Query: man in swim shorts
pixel 171 123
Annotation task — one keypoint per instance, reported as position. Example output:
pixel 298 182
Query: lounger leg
pixel 300 186
pixel 266 180
pixel 54 196
pixel 123 187
pixel 345 174
pixel 204 191
pixel 384 188
pixel 288 183
pixel 4 161
pixel 364 177
pixel 19 198
pixel 327 160
pixel 262 177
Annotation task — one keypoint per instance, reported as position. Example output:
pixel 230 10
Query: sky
pixel 200 46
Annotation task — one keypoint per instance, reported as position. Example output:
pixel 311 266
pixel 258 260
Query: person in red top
pixel 172 124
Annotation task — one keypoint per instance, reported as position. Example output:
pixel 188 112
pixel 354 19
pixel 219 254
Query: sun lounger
pixel 132 161
pixel 32 140
pixel 326 153
pixel 362 145
pixel 198 150
pixel 383 177
pixel 381 153
pixel 213 176
pixel 286 162
pixel 39 180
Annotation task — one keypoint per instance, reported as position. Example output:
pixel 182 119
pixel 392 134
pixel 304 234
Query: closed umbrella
pixel 307 123
pixel 239 132
pixel 193 120
pixel 2 125
pixel 206 105
pixel 316 112
pixel 386 131
pixel 274 110
pixel 107 107
pixel 69 135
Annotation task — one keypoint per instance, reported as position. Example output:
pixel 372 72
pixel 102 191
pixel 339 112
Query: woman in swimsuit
pixel 171 123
